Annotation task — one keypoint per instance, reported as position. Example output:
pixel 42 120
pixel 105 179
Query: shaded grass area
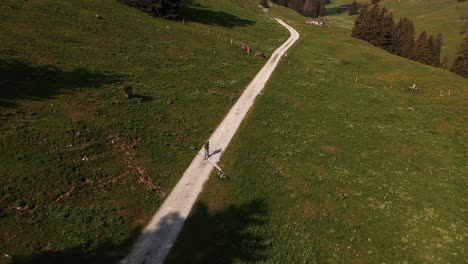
pixel 195 12
pixel 84 168
pixel 352 166
pixel 20 80
pixel 233 224
pixel 231 233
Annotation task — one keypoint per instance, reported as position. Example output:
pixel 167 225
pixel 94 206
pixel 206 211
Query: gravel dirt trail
pixel 159 235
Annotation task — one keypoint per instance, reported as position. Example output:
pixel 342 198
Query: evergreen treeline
pixel 312 8
pixel 377 26
pixel 353 9
pixel 460 65
pixel 264 3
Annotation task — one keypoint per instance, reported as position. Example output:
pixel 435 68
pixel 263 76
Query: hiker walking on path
pixel 207 150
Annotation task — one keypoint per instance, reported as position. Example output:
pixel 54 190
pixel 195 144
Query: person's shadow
pixel 215 152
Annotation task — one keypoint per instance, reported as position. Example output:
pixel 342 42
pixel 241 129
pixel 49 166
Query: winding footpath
pixel 160 234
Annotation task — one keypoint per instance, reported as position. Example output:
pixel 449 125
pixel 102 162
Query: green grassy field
pixel 340 163
pixel 83 168
pixel 434 16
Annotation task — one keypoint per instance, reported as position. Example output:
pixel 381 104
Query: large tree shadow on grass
pixel 104 252
pixel 221 236
pixel 20 80
pixel 208 237
pixel 193 12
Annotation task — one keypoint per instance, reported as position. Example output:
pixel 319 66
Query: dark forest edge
pixel 158 8
pixel 312 8
pixel 377 26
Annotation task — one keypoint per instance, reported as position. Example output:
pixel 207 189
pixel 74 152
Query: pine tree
pixel 460 65
pixel 264 3
pixel 403 37
pixel 360 24
pixel 422 52
pixel 385 34
pixel 322 10
pixel 430 45
pixel 353 10
pixel 436 50
pixel 308 8
pixel 372 25
pixel 297 5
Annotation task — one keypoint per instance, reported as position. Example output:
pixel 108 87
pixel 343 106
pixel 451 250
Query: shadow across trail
pixel 21 80
pixel 194 12
pixel 222 236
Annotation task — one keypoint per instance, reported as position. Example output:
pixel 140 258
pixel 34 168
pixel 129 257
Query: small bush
pixel 157 8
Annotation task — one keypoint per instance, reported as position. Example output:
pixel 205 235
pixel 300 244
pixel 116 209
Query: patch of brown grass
pixel 329 148
pixel 309 210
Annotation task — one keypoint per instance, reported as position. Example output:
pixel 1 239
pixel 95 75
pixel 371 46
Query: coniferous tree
pixel 353 9
pixel 385 34
pixel 313 8
pixel 322 10
pixel 430 45
pixel 297 5
pixel 436 49
pixel 421 51
pixel 460 65
pixel 373 23
pixel 403 38
pixel 308 8
pixel 264 3
pixel 360 24
pixel 377 27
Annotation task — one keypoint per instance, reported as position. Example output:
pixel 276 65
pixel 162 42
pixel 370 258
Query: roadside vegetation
pixel 85 162
pixel 341 162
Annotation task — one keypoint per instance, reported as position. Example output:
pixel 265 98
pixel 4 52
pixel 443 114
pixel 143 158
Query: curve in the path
pixel 159 235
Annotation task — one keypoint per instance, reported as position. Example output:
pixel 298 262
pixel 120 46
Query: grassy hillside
pixel 434 16
pixel 340 163
pixel 83 168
